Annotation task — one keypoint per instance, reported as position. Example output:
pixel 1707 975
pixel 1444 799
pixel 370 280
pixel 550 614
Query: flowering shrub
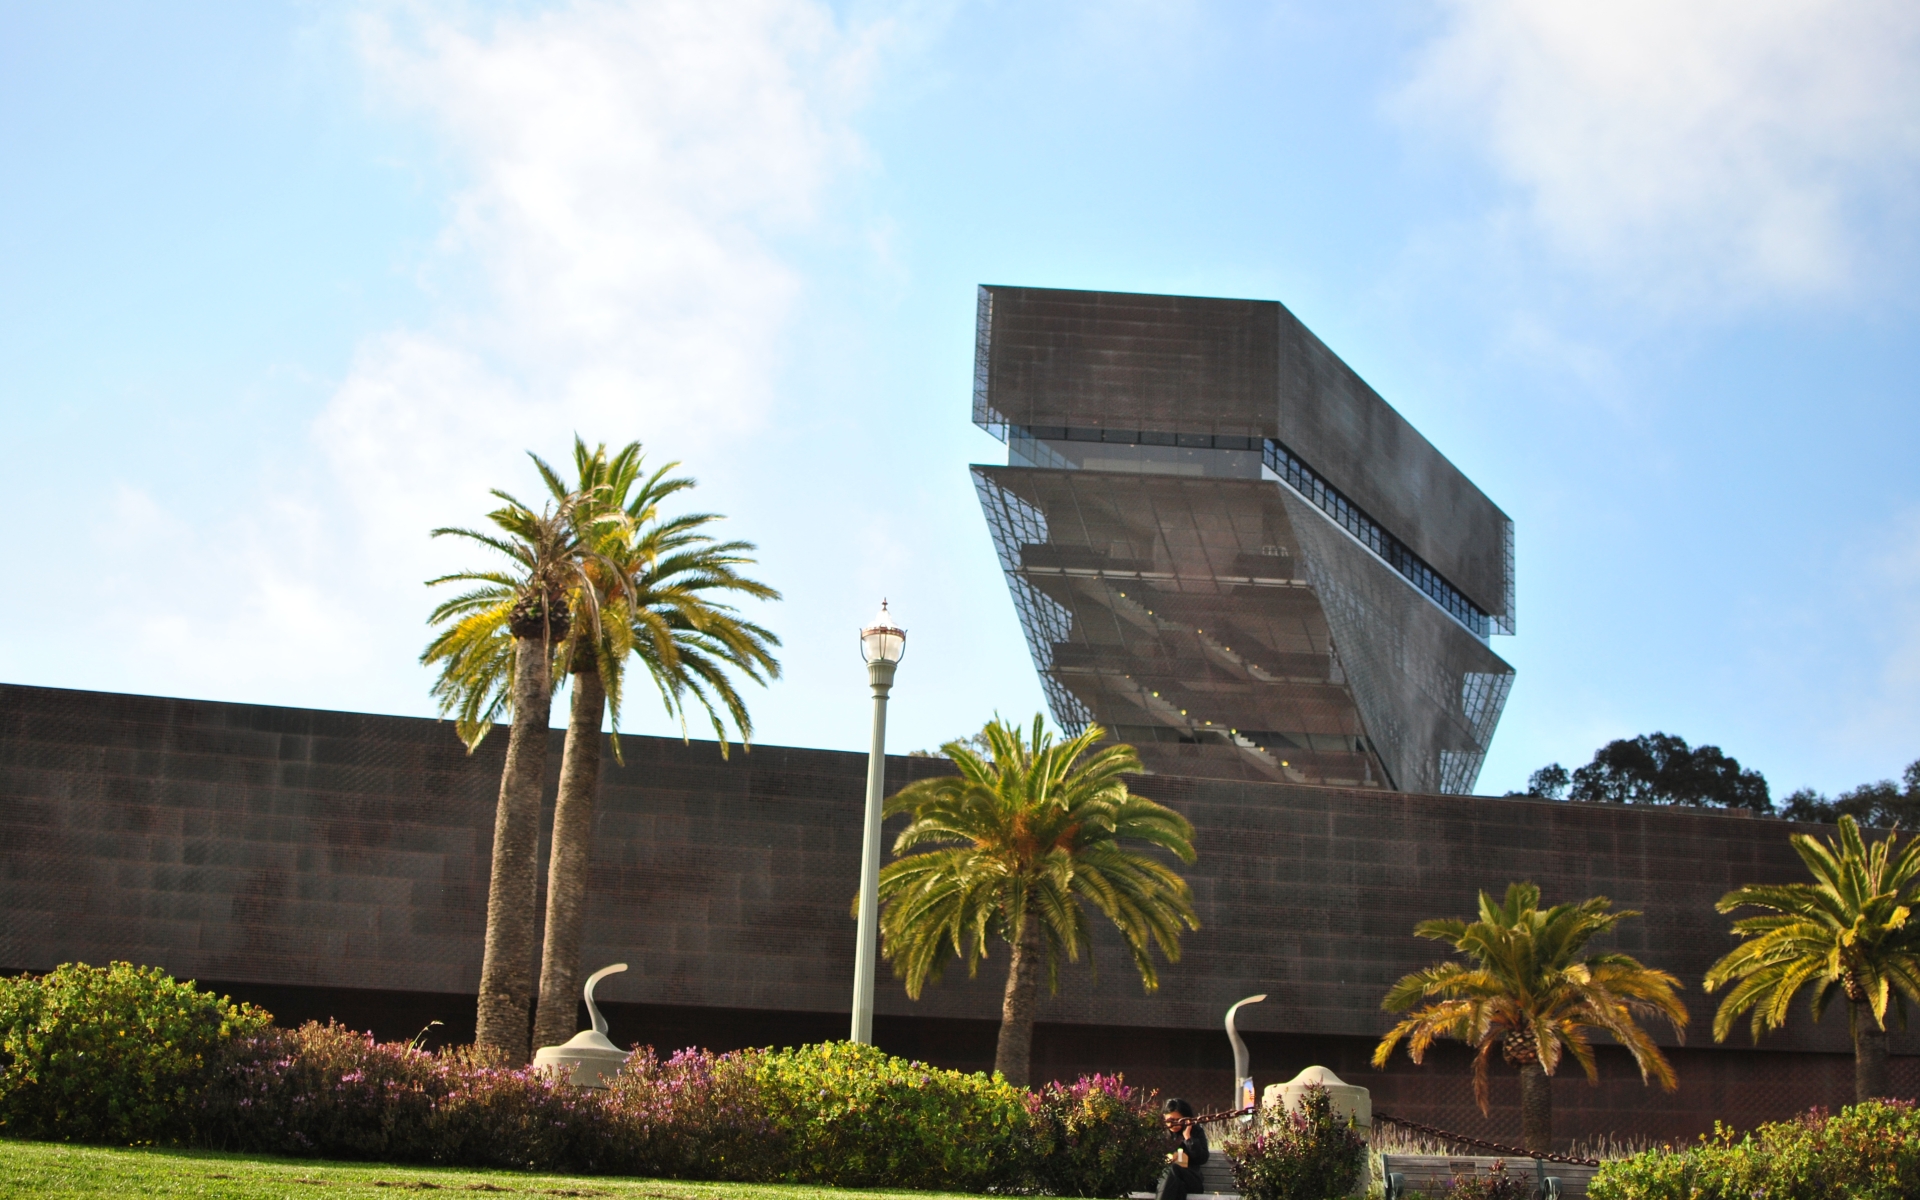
pixel 697 1115
pixel 854 1116
pixel 109 1054
pixel 329 1091
pixel 1304 1154
pixel 129 1055
pixel 1496 1184
pixel 1870 1151
pixel 1097 1137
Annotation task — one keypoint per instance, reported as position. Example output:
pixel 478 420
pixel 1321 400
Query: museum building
pixel 1229 551
pixel 1223 546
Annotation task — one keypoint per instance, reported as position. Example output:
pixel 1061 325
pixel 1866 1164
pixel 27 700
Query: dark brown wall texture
pixel 329 863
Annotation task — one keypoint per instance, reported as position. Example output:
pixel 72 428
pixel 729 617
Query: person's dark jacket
pixel 1194 1141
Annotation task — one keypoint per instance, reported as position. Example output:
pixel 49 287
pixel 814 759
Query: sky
pixel 283 287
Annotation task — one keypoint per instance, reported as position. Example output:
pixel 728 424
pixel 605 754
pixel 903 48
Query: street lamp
pixel 881 644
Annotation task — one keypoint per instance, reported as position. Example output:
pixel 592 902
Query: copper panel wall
pixel 295 849
pixel 1197 365
pixel 1228 624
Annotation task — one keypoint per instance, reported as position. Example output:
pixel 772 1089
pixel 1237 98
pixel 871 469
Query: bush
pixel 125 1054
pixel 110 1054
pixel 853 1116
pixel 698 1115
pixel 328 1091
pixel 1494 1185
pixel 1870 1151
pixel 1304 1154
pixel 1097 1137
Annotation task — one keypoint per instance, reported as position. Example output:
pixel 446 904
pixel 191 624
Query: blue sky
pixel 282 287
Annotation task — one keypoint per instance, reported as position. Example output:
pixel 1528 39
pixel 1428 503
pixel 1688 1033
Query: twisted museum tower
pixel 1230 551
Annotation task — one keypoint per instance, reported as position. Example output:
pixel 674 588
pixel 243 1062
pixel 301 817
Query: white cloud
pixel 631 167
pixel 611 264
pixel 1722 150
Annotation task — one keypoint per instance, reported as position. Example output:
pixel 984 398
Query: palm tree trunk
pixel 557 1018
pixel 506 971
pixel 1869 1057
pixel 1013 1057
pixel 1536 1109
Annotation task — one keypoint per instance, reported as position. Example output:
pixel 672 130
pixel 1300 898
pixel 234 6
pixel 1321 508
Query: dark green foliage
pixel 1549 783
pixel 1881 805
pixel 1662 769
pixel 1870 1151
pixel 1306 1154
pixel 110 1054
pixel 854 1116
pixel 1096 1137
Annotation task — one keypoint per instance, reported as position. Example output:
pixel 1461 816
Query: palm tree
pixel 496 656
pixel 656 583
pixel 1850 931
pixel 1533 991
pixel 1015 846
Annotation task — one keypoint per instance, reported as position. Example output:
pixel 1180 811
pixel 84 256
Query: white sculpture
pixel 1349 1102
pixel 589 1058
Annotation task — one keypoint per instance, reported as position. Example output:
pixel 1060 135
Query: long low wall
pixel 328 862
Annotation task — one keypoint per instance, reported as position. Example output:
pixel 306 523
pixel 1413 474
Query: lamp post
pixel 881 644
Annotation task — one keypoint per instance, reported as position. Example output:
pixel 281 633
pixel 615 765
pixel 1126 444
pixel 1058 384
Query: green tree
pixel 1531 989
pixel 1850 931
pixel 496 654
pixel 1654 768
pixel 654 590
pixel 1884 804
pixel 1015 846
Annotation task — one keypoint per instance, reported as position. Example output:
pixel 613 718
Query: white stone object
pixel 589 1058
pixel 1349 1101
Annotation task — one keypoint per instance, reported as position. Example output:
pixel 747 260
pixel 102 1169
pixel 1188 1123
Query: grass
pixel 60 1171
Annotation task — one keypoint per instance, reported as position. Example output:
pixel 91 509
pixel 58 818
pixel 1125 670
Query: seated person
pixel 1182 1176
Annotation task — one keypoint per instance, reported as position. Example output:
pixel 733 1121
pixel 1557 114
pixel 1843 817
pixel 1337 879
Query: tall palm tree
pixel 1851 931
pixel 1014 847
pixel 658 584
pixel 1531 990
pixel 496 654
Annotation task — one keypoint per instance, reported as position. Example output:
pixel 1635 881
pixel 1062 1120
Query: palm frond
pixel 1038 829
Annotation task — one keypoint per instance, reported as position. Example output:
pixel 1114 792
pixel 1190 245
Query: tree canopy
pixel 1883 805
pixel 1532 991
pixel 1015 846
pixel 1847 933
pixel 1655 768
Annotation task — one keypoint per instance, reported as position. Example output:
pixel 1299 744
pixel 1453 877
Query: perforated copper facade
pixel 1230 551
pixel 335 864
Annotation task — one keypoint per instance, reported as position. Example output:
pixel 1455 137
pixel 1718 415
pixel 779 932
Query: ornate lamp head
pixel 883 641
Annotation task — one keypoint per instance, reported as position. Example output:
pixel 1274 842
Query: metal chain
pixel 1463 1139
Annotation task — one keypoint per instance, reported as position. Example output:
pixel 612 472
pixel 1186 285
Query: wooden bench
pixel 1429 1174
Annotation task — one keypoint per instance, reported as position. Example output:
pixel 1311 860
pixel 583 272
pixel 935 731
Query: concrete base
pixel 587 1060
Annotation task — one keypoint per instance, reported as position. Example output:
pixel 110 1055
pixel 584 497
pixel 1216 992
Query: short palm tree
pixel 1851 931
pixel 1531 990
pixel 496 654
pixel 658 585
pixel 1015 846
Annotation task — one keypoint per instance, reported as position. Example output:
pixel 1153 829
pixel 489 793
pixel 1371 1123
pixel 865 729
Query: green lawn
pixel 57 1170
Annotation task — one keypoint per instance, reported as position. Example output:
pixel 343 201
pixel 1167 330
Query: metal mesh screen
pixel 1015 523
pixel 1430 691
